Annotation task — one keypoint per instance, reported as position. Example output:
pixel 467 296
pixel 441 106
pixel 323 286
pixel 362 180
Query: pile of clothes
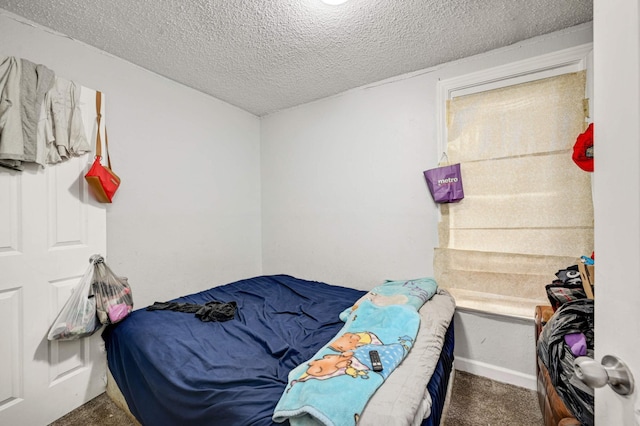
pixel 40 118
pixel 567 335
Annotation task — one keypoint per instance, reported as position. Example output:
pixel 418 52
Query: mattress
pixel 408 398
pixel 171 368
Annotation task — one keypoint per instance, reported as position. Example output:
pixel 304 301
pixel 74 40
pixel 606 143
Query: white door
pixel 49 227
pixel 617 199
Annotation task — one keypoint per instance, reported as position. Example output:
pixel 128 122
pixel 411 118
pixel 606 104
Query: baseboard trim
pixel 499 374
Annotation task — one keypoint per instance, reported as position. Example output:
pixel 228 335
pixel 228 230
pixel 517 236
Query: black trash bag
pixel 566 287
pixel 571 317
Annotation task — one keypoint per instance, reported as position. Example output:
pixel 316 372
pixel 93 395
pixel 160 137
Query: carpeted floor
pixel 478 401
pixel 475 401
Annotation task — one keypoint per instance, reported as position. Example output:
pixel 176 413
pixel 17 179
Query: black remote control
pixel 375 361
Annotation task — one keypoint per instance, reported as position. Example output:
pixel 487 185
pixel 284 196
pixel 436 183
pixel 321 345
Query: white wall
pixel 187 215
pixel 344 198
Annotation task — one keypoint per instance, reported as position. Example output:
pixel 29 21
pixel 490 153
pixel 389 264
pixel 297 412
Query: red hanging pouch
pixel 102 181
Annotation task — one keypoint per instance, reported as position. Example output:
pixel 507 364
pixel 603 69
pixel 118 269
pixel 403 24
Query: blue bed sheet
pixel 174 369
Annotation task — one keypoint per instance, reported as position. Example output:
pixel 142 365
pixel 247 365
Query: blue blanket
pixel 334 386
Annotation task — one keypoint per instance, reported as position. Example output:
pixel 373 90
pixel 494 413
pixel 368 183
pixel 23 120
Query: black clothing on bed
pixel 210 311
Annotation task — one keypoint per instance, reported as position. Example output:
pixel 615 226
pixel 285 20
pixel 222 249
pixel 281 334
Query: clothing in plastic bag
pixel 101 297
pixel 78 316
pixel 566 287
pixel 572 318
pixel 114 301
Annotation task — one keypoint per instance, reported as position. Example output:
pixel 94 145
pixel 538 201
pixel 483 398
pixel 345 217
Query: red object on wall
pixel 583 150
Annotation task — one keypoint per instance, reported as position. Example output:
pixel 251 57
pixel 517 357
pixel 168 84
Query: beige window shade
pixel 530 118
pixel 528 208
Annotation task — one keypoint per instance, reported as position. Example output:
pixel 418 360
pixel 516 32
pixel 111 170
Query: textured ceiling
pixel 267 55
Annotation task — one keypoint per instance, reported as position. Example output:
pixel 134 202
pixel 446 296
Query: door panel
pixel 617 199
pixel 10 302
pixel 49 228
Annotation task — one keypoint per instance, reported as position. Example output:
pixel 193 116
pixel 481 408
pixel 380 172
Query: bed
pixel 169 366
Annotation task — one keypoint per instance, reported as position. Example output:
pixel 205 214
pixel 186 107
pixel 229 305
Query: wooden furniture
pixel 554 410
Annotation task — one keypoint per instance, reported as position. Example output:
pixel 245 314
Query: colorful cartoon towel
pixel 335 385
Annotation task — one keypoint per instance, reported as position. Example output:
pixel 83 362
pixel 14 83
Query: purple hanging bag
pixel 445 183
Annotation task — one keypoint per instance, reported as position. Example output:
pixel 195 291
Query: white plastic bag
pixel 101 297
pixel 78 316
pixel 114 301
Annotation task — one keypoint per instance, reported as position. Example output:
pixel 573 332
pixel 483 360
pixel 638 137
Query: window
pixel 528 209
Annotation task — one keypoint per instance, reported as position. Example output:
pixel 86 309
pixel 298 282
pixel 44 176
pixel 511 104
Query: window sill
pixel 513 307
